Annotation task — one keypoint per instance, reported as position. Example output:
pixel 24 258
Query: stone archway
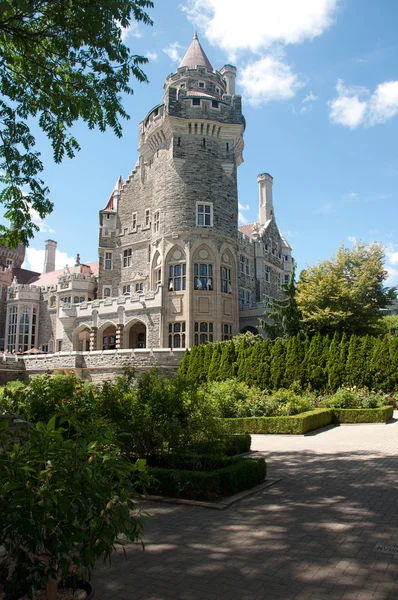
pixel 253 330
pixel 136 335
pixel 108 338
pixel 81 338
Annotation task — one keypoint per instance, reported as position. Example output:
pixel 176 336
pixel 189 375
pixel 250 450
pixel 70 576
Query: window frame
pixel 177 334
pixel 203 332
pixel 147 219
pixel 134 221
pixel 127 258
pixel 177 281
pixel 200 273
pixel 204 213
pixel 108 261
pixel 225 280
pixel 156 221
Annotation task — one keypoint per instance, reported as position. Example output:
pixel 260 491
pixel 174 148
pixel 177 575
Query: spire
pixel 195 55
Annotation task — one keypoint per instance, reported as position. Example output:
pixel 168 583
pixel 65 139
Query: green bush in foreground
pixel 297 424
pixel 362 415
pixel 242 474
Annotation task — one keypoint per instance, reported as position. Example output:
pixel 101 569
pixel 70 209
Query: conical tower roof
pixel 195 55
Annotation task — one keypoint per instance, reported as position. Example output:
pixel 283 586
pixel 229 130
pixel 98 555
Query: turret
pixel 229 74
pixel 266 207
pixel 49 256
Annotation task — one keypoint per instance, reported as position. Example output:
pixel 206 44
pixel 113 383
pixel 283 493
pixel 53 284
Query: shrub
pixel 362 415
pixel 168 414
pixel 228 445
pixel 230 397
pixel 63 504
pixel 43 396
pixel 297 424
pixel 240 475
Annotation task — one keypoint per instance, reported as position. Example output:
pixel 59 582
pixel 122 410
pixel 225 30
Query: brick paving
pixel 310 537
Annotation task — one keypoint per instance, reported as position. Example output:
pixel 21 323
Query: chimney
pixel 266 207
pixel 229 74
pixel 49 257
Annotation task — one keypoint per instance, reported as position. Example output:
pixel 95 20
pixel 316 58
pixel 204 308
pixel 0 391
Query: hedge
pixel 190 462
pixel 229 445
pixel 320 362
pixel 242 474
pixel 295 424
pixel 362 415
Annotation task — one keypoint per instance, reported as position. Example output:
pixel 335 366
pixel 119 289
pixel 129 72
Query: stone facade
pixel 174 269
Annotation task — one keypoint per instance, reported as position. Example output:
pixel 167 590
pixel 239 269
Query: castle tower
pixel 266 207
pixel 49 256
pixel 173 232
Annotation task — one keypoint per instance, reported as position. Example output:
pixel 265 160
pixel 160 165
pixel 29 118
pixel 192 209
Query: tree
pixel 61 61
pixel 345 293
pixel 282 317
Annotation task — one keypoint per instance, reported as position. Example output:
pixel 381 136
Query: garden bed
pixel 203 477
pixel 295 424
pixel 362 415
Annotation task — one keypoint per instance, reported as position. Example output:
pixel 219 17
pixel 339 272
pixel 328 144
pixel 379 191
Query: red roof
pixel 195 56
pixel 51 278
pixel 247 229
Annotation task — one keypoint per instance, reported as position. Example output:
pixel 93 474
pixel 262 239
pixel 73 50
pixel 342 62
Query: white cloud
pixel 152 55
pixel 131 31
pixel 34 260
pixel 307 101
pixel 355 105
pixel 348 109
pixel 260 23
pixel 37 220
pixel 174 51
pixel 243 207
pixel 269 78
pixel 352 239
pixel 383 104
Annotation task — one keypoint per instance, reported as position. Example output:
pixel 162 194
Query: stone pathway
pixel 327 530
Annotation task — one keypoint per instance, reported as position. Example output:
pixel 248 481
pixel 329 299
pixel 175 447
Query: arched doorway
pixel 82 340
pixel 108 339
pixel 137 335
pixel 253 330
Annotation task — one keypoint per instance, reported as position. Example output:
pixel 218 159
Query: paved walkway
pixel 312 536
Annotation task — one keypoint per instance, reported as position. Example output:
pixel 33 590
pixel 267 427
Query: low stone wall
pixel 93 366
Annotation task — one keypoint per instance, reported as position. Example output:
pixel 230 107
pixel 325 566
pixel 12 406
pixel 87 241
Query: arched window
pixel 203 333
pixel 107 292
pixel 203 276
pixel 177 335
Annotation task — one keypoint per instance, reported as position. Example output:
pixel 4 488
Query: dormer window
pixel 218 91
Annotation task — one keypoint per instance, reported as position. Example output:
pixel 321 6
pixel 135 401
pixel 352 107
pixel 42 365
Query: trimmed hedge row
pixel 190 462
pixel 229 445
pixel 362 415
pixel 242 474
pixel 296 424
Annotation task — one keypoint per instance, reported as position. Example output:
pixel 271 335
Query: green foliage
pixel 227 364
pixel 345 293
pixel 389 324
pixel 64 502
pixel 283 317
pixel 297 424
pixel 168 414
pixel 278 363
pixel 241 474
pixel 46 395
pixel 61 62
pixel 215 363
pixel 362 415
pixel 227 445
pixel 355 398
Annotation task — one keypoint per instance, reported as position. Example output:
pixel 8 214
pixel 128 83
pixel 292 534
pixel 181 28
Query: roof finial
pixel 195 35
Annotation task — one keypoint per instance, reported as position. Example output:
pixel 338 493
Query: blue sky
pixel 319 80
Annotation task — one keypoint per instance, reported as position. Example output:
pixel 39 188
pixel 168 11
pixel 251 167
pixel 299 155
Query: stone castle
pixel 174 268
